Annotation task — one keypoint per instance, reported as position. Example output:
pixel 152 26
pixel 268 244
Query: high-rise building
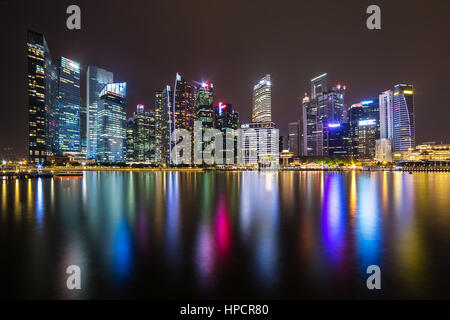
pixel 294 138
pixel 258 145
pixel 141 136
pixel 96 81
pixel 129 132
pixel 330 105
pixel 364 120
pixel 386 114
pixel 39 97
pixel 182 112
pixel 336 140
pixel 318 85
pixel 404 136
pixel 204 104
pixel 68 106
pixel 262 100
pixel 163 110
pixel 83 129
pixel 111 124
pixel 323 108
pixel 158 124
pixel 227 119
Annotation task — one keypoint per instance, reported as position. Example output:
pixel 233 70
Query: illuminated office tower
pixel 204 104
pixel 227 119
pixel 404 119
pixel 129 132
pixel 386 114
pixel 318 85
pixel 330 105
pixel 165 126
pixel 68 106
pixel 258 145
pixel 83 129
pixel 111 124
pixel 141 136
pixel 182 112
pixel 41 99
pixel 51 111
pixel 262 100
pixel 364 120
pixel 96 80
pixel 312 128
pixel 294 138
pixel 336 139
pixel 158 124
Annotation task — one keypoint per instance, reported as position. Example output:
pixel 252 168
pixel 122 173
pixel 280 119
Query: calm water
pixel 226 235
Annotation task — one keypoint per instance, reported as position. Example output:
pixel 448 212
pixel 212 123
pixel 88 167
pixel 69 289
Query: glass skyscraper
pixel 141 136
pixel 323 108
pixel 68 106
pixel 165 124
pixel 39 99
pixel 318 85
pixel 364 119
pixel 182 113
pixel 262 100
pixel 96 80
pixel 83 129
pixel 386 114
pixel 110 124
pixel 403 118
pixel 204 104
pixel 294 138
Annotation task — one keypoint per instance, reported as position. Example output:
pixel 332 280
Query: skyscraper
pixel 330 105
pixel 227 119
pixel 158 125
pixel 68 106
pixel 111 124
pixel 39 70
pixel 294 138
pixel 404 136
pixel 166 125
pixel 258 145
pixel 141 136
pixel 204 104
pixel 364 120
pixel 182 113
pixel 386 114
pixel 318 85
pixel 96 80
pixel 336 140
pixel 83 129
pixel 262 100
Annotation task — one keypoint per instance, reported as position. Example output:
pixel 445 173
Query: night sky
pixel 233 44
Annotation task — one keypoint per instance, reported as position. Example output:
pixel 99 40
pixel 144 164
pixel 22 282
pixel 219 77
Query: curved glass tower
pixel 262 100
pixel 403 116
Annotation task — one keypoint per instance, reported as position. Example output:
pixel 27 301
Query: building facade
pixel 294 136
pixel 204 105
pixel 258 145
pixel 68 106
pixel 111 124
pixel 262 100
pixel 403 118
pixel 141 142
pixel 39 98
pixel 96 81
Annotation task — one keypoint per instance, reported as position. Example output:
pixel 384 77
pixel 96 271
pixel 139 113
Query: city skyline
pixel 286 93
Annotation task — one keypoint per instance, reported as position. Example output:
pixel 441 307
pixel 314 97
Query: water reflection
pixel 240 234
